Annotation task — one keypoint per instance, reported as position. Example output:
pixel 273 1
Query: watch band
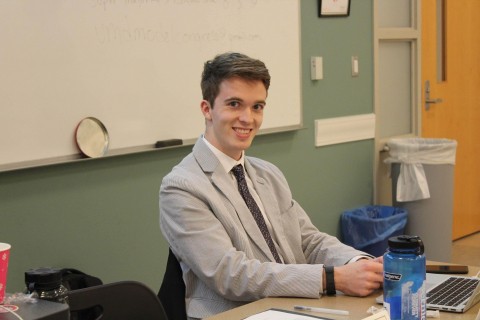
pixel 330 280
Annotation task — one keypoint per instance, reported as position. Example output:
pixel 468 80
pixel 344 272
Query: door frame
pixel 381 35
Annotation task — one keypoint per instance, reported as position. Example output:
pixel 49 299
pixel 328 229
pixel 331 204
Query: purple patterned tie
pixel 254 209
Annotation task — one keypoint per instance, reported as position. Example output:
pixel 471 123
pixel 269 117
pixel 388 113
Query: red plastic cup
pixel 4 255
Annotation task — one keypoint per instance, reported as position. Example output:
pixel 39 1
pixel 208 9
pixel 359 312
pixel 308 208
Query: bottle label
pixel 392 276
pixel 404 299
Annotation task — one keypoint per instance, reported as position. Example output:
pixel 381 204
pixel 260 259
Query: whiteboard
pixel 133 64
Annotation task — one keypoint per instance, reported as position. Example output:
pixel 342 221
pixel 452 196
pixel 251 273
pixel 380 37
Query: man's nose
pixel 246 115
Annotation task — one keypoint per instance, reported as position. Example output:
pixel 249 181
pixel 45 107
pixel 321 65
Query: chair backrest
pixel 124 300
pixel 172 290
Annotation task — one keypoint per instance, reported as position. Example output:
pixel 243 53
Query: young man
pixel 240 242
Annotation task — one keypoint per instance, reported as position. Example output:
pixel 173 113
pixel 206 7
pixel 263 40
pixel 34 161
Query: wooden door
pixel 458 116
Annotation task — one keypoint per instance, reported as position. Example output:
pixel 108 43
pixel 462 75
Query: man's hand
pixel 360 278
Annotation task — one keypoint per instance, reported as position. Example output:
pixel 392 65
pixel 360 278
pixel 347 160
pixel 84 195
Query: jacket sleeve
pixel 316 247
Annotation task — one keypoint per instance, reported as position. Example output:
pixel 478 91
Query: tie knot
pixel 238 172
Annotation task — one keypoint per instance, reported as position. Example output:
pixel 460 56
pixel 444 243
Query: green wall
pixel 101 216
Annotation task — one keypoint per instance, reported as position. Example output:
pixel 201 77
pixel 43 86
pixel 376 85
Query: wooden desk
pixel 357 306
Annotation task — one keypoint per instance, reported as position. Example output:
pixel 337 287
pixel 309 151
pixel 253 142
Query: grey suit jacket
pixel 224 258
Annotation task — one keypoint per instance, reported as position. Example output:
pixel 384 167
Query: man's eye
pixel 233 104
pixel 259 107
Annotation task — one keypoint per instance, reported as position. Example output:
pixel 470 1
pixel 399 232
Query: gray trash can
pixel 422 172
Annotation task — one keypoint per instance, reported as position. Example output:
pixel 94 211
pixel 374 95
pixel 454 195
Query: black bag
pixel 74 279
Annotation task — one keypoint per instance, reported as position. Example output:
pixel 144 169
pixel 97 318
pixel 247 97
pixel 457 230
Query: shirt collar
pixel 227 162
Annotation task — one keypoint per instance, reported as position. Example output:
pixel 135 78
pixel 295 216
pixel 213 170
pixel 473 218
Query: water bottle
pixel 46 284
pixel 404 278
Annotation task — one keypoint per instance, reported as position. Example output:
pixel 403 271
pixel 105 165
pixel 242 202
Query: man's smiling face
pixel 236 116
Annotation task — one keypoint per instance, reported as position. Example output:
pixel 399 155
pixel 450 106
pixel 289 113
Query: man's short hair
pixel 230 65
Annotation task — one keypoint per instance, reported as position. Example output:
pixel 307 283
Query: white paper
pixel 276 314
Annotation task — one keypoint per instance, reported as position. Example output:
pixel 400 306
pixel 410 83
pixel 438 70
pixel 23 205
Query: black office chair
pixel 172 290
pixel 124 300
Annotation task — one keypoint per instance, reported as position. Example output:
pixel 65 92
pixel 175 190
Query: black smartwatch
pixel 330 280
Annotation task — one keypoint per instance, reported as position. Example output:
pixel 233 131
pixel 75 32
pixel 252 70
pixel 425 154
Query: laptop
pixel 450 292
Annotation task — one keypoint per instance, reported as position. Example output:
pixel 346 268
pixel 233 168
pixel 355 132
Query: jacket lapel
pixel 272 211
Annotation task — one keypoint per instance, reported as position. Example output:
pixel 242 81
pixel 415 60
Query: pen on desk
pixel 323 310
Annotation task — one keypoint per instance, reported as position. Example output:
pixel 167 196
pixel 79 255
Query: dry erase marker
pixel 322 310
pixel 168 143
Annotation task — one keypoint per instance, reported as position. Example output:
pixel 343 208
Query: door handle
pixel 438 100
pixel 428 100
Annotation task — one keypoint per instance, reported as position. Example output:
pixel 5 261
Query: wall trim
pixel 344 129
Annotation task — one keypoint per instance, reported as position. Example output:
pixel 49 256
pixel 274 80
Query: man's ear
pixel 206 109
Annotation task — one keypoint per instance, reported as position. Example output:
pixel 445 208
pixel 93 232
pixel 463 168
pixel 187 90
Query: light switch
pixel 354 66
pixel 316 68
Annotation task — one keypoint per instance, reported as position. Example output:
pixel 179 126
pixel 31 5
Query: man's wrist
pixel 329 280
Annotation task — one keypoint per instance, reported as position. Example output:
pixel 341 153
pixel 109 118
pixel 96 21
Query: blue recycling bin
pixel 368 228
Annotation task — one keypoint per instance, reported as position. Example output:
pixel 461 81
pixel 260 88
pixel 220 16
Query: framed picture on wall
pixel 333 8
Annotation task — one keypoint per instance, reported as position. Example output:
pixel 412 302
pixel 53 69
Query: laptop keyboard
pixel 452 291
